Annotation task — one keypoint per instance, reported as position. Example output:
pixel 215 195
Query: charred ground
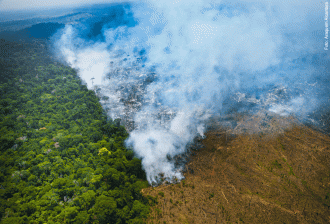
pixel 277 176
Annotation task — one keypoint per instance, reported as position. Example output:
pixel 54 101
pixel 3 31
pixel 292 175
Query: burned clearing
pixel 260 177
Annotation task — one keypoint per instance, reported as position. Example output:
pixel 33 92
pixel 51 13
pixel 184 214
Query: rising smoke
pixel 166 67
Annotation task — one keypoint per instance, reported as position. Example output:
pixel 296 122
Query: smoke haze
pixel 166 67
pixel 8 5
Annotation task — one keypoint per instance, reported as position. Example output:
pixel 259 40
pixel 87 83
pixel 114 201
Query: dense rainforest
pixel 62 160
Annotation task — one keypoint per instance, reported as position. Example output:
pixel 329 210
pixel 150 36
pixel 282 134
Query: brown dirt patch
pixel 251 178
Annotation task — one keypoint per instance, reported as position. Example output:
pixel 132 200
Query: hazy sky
pixel 6 5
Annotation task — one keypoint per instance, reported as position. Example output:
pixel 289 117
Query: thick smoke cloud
pixel 184 61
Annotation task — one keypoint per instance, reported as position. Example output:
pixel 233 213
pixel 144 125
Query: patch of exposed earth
pixel 273 173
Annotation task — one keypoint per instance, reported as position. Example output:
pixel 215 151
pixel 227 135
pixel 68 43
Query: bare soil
pixel 264 177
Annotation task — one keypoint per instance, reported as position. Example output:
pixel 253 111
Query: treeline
pixel 62 160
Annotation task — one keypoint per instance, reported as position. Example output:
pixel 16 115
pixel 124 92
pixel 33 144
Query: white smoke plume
pixel 186 60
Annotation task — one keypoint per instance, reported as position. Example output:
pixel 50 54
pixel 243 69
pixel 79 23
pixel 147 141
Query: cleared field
pixel 268 176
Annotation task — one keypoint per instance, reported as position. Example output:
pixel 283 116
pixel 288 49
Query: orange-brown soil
pixel 251 178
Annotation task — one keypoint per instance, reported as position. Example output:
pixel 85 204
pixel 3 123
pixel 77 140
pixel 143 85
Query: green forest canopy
pixel 62 160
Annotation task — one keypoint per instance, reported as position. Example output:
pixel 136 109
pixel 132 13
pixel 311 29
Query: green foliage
pixel 62 160
pixel 277 164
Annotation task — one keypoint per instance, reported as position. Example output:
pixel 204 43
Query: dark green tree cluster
pixel 62 160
